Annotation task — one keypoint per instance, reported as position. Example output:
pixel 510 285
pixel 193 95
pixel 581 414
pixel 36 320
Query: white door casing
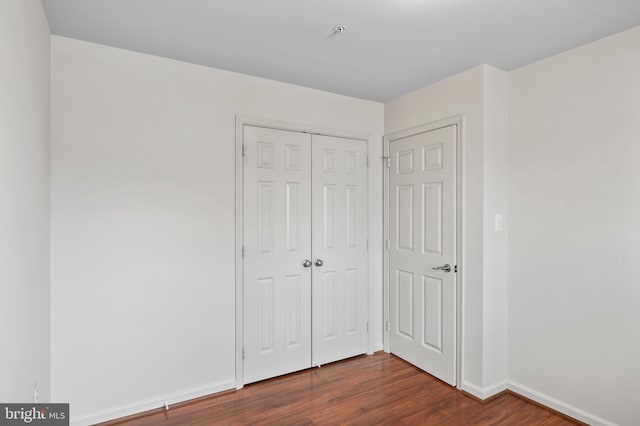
pixel 340 222
pixel 422 235
pixel 282 213
pixel 277 226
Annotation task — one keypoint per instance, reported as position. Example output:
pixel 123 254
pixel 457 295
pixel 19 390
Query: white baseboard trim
pixel 486 392
pixel 558 405
pixel 157 402
pixel 478 392
pixel 472 389
pixel 378 348
pixel 494 389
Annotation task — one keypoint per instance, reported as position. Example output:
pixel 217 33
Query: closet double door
pixel 305 251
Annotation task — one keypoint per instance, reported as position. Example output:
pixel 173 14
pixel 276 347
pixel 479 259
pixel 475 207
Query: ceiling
pixel 390 47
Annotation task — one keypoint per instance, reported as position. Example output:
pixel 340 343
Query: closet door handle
pixel 445 268
pixel 306 263
pixel 319 262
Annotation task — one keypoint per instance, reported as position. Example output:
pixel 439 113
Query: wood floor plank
pixel 369 390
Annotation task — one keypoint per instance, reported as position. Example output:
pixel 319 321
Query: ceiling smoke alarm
pixel 339 29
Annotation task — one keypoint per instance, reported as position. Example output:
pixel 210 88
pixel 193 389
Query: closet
pixel 304 254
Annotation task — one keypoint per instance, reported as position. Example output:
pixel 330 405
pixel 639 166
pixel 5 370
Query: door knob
pixel 306 263
pixel 319 262
pixel 445 268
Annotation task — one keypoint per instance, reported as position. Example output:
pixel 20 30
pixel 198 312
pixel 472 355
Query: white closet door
pixel 277 230
pixel 422 209
pixel 339 248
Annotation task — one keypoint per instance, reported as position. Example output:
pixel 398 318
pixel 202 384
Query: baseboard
pixel 158 402
pixel 481 393
pixel 558 405
pixel 484 393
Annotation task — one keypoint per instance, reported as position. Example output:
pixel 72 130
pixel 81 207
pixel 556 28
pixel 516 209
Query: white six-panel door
pixel 339 248
pixel 422 232
pixel 277 226
pixel 304 304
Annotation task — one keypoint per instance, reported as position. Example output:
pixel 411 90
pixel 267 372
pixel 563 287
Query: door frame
pixel 458 121
pixel 241 122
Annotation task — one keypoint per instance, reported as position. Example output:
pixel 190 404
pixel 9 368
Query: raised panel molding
pixel 351 162
pixel 404 214
pixel 292 220
pixel 329 160
pixel 265 155
pixel 432 157
pixel 404 162
pixel 292 157
pixel 266 217
pixel 328 220
pixel 351 203
pixel 329 282
pixel 432 218
pixel 351 305
pixel 294 316
pixel 432 312
pixel 266 292
pixel 404 297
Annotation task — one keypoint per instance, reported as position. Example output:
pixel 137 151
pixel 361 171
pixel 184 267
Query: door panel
pixel 277 226
pixel 340 242
pixel 422 229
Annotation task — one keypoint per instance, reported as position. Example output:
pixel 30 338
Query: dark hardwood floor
pixel 367 390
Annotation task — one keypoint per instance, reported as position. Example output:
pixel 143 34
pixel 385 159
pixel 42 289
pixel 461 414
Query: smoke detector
pixel 339 29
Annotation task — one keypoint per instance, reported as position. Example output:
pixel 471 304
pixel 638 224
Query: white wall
pixel 574 230
pixel 24 194
pixel 469 94
pixel 495 177
pixel 143 220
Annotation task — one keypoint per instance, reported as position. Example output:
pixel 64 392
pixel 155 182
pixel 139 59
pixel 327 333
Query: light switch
pixel 498 223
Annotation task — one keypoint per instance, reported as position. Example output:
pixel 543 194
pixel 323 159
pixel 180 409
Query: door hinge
pixel 387 326
pixel 367 244
pixel 244 150
pixel 244 353
pixel 243 251
pixel 387 161
pixel 367 161
pixel 387 244
pixel 367 327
